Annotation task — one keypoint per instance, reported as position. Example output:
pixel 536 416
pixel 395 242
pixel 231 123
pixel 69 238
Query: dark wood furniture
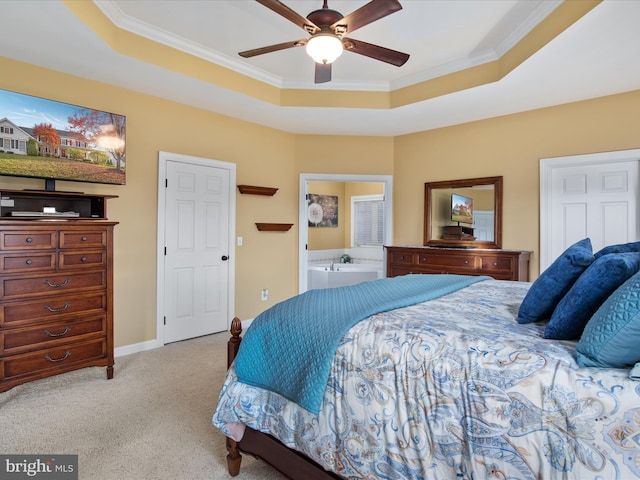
pixel 56 297
pixel 19 204
pixel 255 190
pixel 496 263
pixel 290 463
pixel 274 227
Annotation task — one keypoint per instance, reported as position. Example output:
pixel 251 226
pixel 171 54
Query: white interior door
pixel 197 250
pixel 593 199
pixel 483 225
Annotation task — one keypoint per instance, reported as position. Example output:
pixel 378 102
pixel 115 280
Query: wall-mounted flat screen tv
pixel 461 209
pixel 42 138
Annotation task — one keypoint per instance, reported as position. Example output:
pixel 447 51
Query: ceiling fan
pixel 327 29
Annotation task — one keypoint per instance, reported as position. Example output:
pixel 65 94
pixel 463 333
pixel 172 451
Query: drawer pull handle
pixel 29 262
pixel 54 360
pixel 58 285
pixel 495 264
pixel 84 239
pixel 67 329
pixel 29 240
pixel 466 262
pixel 83 259
pixel 58 310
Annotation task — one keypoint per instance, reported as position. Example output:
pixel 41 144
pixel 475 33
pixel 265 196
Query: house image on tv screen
pixel 46 139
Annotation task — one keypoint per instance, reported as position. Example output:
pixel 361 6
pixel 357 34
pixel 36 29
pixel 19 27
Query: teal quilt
pixel 288 348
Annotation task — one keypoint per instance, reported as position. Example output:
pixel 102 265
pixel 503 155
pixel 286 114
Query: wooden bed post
pixel 233 345
pixel 265 447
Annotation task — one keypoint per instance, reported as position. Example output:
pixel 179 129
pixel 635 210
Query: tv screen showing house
pixel 461 209
pixel 52 140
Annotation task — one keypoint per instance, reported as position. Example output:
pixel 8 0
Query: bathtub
pixel 321 275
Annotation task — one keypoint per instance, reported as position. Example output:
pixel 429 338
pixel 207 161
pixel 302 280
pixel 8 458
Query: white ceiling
pixel 596 56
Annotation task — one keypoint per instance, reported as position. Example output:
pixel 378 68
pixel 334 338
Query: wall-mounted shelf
pixel 253 190
pixel 274 227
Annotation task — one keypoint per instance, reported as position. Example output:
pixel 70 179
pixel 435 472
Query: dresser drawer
pixel 465 261
pixel 60 358
pixel 53 284
pixel 83 239
pixel 17 314
pixel 19 340
pixel 79 259
pixel 401 258
pixel 497 263
pixel 25 240
pixel 27 262
pixel 489 263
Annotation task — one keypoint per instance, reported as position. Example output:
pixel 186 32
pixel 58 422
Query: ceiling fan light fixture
pixel 324 47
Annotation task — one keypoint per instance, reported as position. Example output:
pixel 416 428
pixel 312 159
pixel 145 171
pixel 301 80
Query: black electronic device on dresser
pixel 56 285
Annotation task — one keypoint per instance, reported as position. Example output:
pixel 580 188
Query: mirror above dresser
pixel 463 213
pixel 462 234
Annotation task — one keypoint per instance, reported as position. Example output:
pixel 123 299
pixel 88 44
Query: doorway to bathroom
pixel 327 240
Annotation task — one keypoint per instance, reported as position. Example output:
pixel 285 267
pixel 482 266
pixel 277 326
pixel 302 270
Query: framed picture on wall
pixel 322 210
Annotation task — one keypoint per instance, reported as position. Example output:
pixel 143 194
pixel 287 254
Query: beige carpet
pixel 152 421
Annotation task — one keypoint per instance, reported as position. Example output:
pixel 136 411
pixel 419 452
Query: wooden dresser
pixel 496 263
pixel 56 298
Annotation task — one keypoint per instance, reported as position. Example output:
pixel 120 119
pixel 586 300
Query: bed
pixel 452 387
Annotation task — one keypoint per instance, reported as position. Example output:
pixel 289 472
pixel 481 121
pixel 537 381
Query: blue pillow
pixel 555 282
pixel 621 248
pixel 612 336
pixel 591 289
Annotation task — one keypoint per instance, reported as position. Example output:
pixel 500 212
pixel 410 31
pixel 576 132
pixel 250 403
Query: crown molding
pixel 511 38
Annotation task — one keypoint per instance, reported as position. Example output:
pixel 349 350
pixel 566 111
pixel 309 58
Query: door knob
pixel 224 258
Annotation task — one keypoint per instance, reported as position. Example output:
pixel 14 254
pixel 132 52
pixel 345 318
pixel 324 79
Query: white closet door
pixel 590 199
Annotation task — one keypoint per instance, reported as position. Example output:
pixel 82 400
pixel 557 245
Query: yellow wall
pixel 510 146
pixel 263 156
pixel 341 154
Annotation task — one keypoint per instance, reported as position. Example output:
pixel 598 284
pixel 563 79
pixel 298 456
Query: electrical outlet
pixel 239 241
pixel 265 294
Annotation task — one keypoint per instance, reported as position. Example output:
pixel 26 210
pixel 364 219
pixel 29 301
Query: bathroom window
pixel 367 220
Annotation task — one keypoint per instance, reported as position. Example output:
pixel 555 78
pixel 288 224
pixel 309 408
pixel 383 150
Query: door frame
pixel 163 158
pixel 547 166
pixel 303 230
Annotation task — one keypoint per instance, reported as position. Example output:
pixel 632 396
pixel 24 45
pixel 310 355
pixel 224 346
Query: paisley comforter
pixel 455 388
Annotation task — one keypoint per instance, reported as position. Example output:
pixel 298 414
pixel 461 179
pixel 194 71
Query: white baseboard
pixel 152 344
pixel 136 348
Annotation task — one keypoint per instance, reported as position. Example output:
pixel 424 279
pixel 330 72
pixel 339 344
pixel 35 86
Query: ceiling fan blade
pixel 372 11
pixel 323 73
pixel 291 15
pixel 375 51
pixel 272 48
